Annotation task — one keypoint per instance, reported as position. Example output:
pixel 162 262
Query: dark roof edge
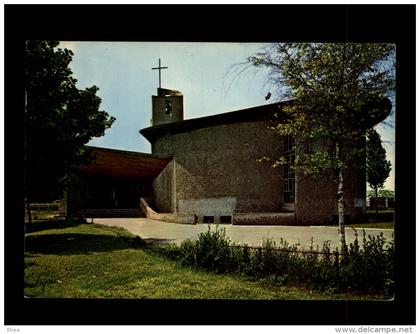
pixel 381 107
pixel 237 116
pixel 140 154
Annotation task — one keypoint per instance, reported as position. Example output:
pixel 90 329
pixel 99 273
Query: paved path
pixel 154 230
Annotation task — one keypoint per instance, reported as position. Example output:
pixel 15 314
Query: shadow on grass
pixel 78 243
pixel 50 225
pixel 158 241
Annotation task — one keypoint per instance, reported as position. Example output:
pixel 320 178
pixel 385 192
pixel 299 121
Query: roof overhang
pixel 260 113
pixel 377 111
pixel 124 164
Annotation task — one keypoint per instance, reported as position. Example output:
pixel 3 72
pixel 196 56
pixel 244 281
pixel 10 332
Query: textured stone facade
pixel 316 198
pixel 219 162
pixel 163 190
pixel 214 173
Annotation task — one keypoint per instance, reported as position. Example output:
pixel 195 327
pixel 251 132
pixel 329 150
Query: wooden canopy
pixel 127 164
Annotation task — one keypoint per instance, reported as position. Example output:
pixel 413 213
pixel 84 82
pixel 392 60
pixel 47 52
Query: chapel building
pixel 208 170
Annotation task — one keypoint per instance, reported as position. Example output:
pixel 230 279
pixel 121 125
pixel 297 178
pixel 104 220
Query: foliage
pixel 44 211
pixel 371 266
pixel 339 90
pixel 377 166
pixel 211 251
pixel 335 88
pixel 60 119
pixel 382 193
pixel 364 268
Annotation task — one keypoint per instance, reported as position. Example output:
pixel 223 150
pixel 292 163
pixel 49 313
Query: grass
pixel 384 219
pixel 384 225
pixel 373 210
pixel 73 260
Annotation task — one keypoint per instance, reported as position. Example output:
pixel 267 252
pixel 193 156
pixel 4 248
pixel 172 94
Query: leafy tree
pixel 338 92
pixel 382 193
pixel 59 120
pixel 377 166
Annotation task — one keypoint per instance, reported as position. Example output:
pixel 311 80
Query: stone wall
pixel 222 206
pixel 273 218
pixel 316 198
pixel 215 172
pixel 218 162
pixel 355 194
pixel 163 189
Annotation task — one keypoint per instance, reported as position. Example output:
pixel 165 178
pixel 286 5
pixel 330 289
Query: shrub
pixel 367 268
pixel 371 267
pixel 211 251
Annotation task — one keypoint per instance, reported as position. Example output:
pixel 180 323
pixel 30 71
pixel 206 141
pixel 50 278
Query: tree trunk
pixel 377 204
pixel 28 209
pixel 25 177
pixel 341 226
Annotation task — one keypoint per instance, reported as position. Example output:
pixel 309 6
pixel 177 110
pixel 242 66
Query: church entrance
pixel 113 183
pixel 113 193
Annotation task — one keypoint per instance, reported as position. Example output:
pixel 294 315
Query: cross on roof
pixel 159 68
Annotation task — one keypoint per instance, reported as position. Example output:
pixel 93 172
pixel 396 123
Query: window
pixel 208 219
pixel 288 170
pixel 225 219
pixel 168 107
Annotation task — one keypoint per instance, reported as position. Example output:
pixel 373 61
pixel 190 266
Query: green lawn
pixel 379 224
pixel 385 225
pixel 90 261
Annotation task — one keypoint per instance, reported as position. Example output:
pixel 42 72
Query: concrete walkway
pixel 154 230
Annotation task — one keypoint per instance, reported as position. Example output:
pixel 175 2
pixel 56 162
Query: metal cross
pixel 159 68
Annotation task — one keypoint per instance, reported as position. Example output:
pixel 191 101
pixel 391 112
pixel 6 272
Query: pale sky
pixel 203 72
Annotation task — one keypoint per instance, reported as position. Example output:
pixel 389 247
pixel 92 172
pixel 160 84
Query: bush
pixel 366 268
pixel 211 251
pixel 371 267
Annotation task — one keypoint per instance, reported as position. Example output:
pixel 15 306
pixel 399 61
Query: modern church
pixel 207 170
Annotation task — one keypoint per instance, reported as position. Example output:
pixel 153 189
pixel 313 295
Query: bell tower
pixel 168 104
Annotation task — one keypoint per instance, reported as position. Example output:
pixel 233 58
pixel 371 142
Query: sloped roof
pixel 128 164
pixel 264 112
pixel 377 111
